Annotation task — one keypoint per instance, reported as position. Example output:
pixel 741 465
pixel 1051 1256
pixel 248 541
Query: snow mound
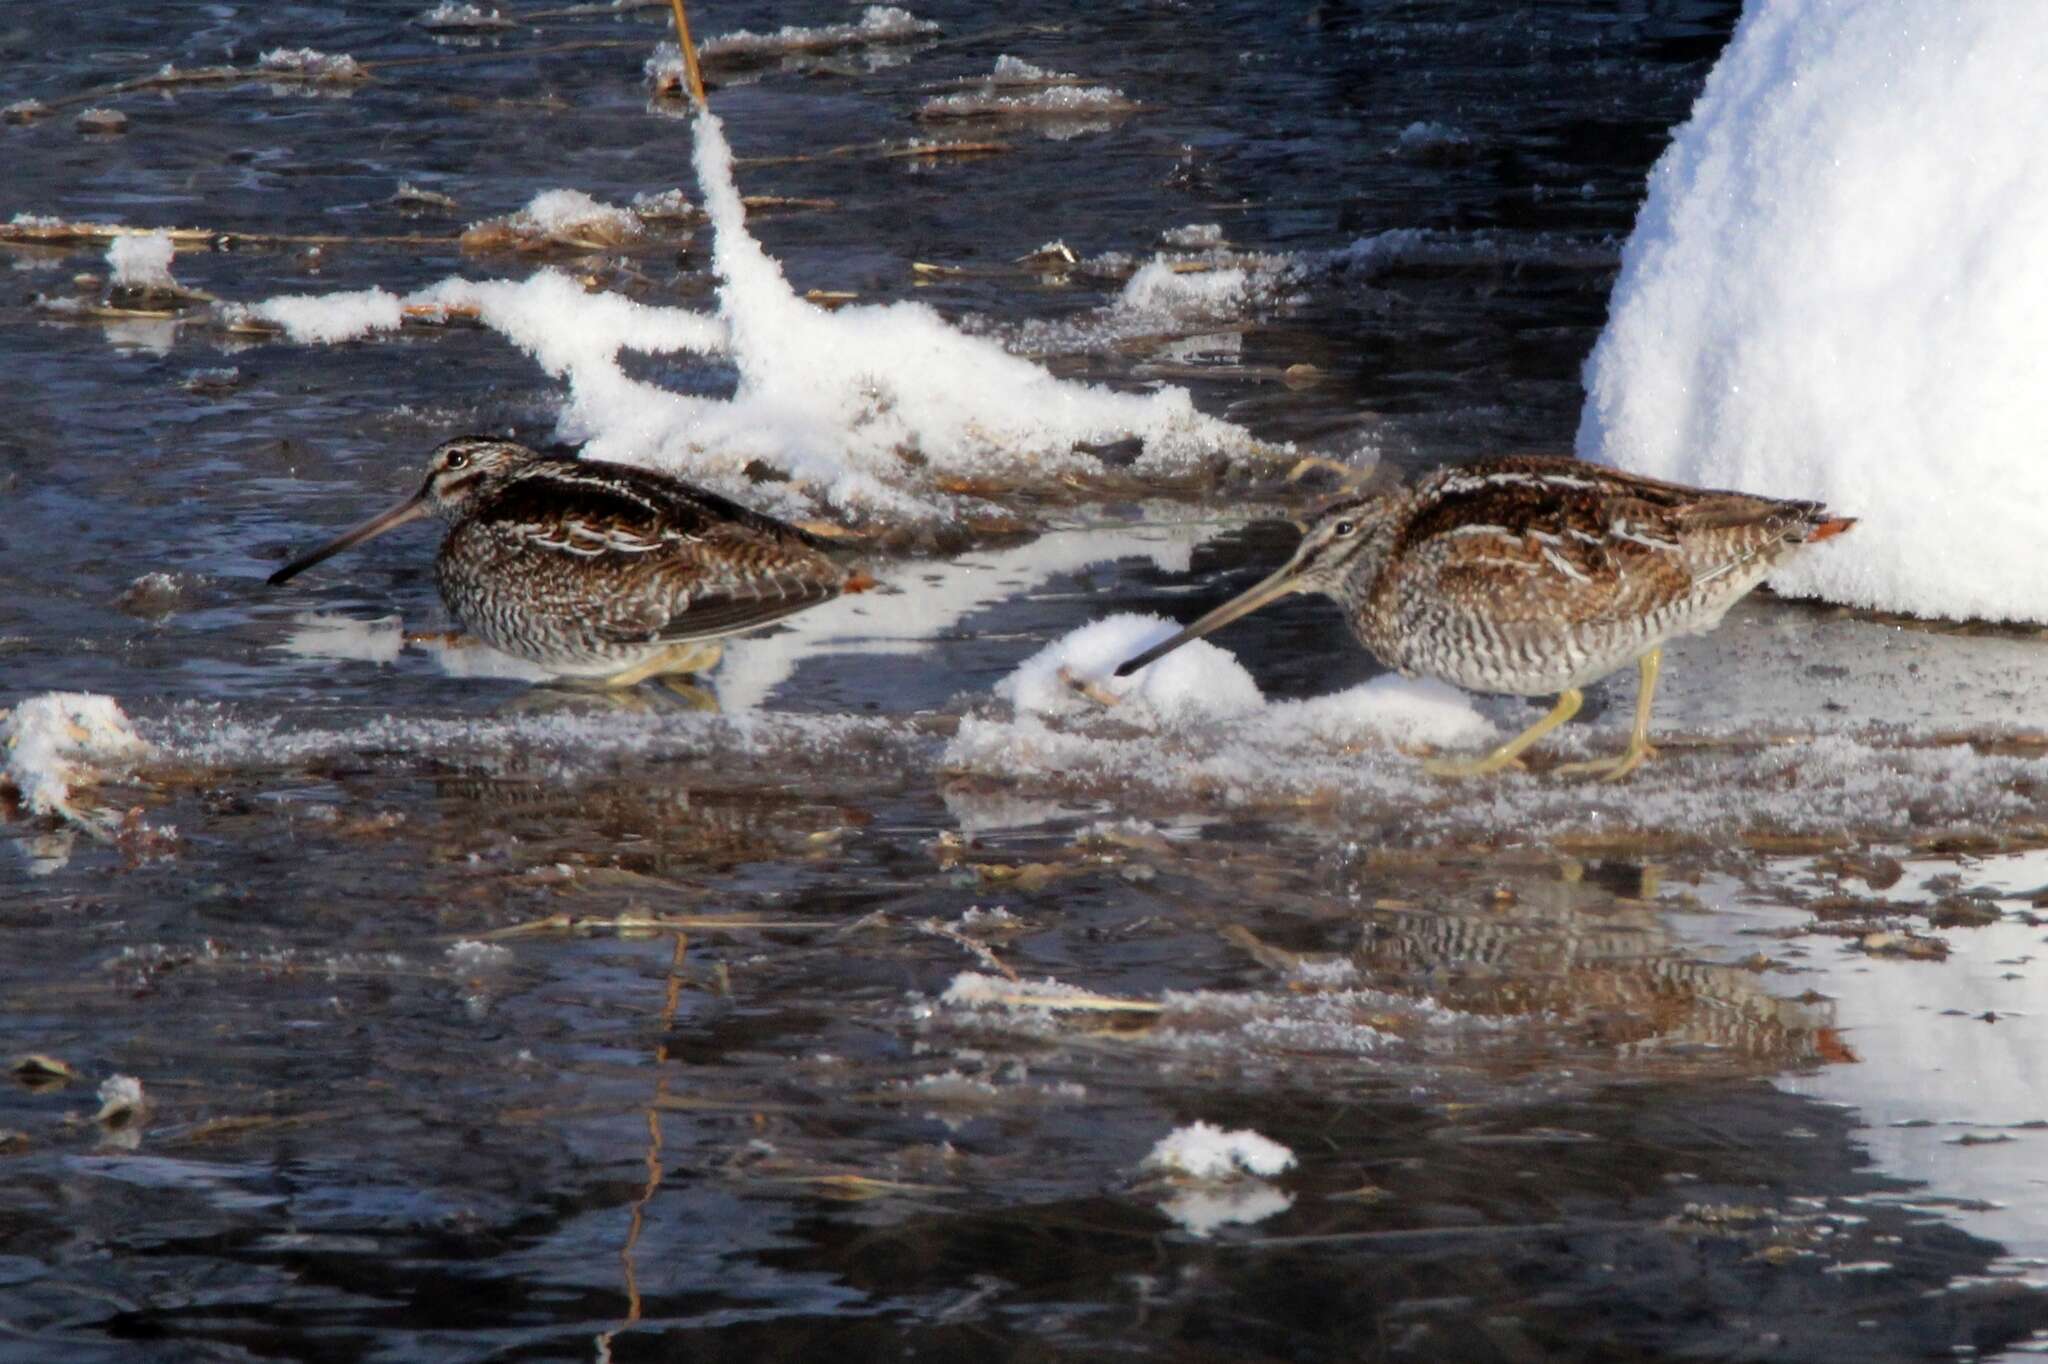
pixel 1197 681
pixel 1834 291
pixel 1206 727
pixel 1204 1151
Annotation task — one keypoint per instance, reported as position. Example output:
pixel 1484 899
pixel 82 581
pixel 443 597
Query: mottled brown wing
pixel 1533 539
pixel 717 610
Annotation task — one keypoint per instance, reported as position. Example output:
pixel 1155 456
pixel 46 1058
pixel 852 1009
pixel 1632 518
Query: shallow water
pixel 482 1021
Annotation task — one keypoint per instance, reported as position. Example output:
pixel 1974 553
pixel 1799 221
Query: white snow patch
pixel 59 740
pixel 565 212
pixel 121 1099
pixel 1194 236
pixel 1834 291
pixel 1204 1151
pixel 878 24
pixel 1159 289
pixel 1212 725
pixel 1016 71
pixel 833 400
pixel 1196 682
pixel 306 61
pixel 328 318
pixel 470 955
pixel 1056 102
pixel 973 990
pixel 453 14
pixel 142 260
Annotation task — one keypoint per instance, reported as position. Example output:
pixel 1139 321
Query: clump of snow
pixel 454 16
pixel 1204 1151
pixel 328 318
pixel 470 955
pixel 973 990
pixel 141 260
pixel 1162 288
pixel 23 111
pixel 60 740
pixel 878 24
pixel 556 217
pixel 564 211
pixel 668 203
pixel 666 71
pixel 121 1100
pixel 316 65
pixel 1834 291
pixel 1196 682
pixel 1194 236
pixel 1016 71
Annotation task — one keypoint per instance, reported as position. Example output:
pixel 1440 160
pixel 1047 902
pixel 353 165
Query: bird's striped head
pixel 466 468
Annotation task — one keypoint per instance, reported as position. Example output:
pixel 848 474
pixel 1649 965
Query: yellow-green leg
pixel 1509 753
pixel 1638 750
pixel 696 656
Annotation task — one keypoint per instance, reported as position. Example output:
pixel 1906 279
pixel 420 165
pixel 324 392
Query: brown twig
pixel 690 68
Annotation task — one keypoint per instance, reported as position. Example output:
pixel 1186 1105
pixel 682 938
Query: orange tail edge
pixel 1832 527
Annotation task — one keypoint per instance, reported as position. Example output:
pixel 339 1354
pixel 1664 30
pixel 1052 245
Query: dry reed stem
pixel 690 67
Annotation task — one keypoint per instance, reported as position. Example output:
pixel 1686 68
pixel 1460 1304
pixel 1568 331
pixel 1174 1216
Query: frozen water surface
pixel 832 1007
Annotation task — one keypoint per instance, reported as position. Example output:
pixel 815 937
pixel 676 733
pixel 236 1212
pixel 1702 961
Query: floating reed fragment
pixel 633 922
pixel 916 149
pixel 32 230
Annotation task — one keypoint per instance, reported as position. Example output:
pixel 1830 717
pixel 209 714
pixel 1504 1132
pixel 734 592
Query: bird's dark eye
pixel 457 459
pixel 1345 528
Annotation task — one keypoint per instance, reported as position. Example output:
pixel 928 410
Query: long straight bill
pixel 412 509
pixel 1250 600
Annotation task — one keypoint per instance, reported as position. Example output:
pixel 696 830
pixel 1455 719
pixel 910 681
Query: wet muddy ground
pixel 480 1021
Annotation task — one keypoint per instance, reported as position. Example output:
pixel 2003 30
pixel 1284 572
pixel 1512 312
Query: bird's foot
pixel 1485 765
pixel 1610 769
pixel 687 657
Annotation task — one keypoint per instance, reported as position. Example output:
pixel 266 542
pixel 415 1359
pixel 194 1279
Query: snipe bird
pixel 1533 575
pixel 596 571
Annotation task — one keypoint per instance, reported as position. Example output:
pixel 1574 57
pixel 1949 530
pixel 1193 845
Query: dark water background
pixel 596 1144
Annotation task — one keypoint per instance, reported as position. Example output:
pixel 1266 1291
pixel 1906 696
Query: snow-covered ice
pixel 1834 290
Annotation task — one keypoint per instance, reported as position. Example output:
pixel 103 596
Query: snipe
pixel 597 571
pixel 1531 575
